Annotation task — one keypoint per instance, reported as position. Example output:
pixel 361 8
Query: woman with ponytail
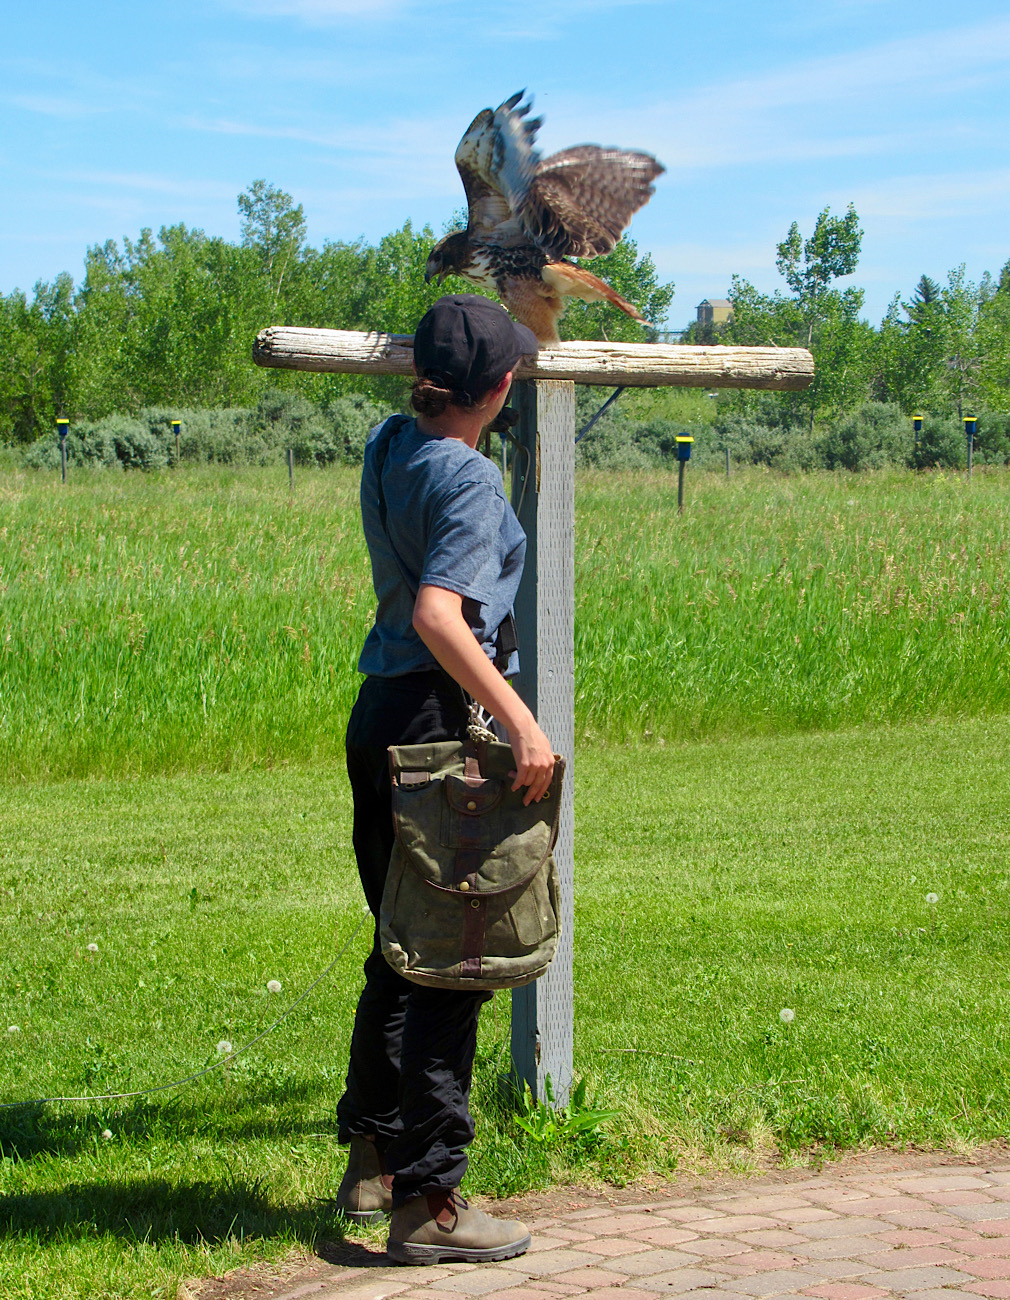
pixel 447 554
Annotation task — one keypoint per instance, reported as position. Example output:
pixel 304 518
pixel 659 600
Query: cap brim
pixel 526 341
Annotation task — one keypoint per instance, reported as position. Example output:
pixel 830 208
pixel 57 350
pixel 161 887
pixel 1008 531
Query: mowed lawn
pixel 718 883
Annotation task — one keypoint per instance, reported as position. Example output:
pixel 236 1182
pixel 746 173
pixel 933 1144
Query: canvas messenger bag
pixel 471 897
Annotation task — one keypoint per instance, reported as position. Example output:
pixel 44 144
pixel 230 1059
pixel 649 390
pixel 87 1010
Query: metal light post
pixel 684 444
pixel 63 428
pixel 917 420
pixel 970 429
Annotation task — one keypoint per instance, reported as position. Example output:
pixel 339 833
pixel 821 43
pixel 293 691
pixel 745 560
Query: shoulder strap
pixel 386 435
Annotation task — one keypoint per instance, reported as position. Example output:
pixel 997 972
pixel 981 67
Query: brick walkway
pixel 930 1232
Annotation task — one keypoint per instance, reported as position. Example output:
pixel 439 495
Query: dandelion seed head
pixel 92 947
pixel 107 1134
pixel 932 899
pixel 273 986
pixel 787 1015
pixel 224 1048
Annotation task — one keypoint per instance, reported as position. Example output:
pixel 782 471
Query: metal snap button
pixel 475 902
pixel 464 885
pixel 471 805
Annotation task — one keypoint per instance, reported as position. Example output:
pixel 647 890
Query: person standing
pixel 447 554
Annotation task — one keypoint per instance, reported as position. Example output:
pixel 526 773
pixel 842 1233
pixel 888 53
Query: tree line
pixel 170 320
pixel 944 350
pixel 167 322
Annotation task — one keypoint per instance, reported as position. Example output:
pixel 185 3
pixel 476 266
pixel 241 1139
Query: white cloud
pixel 762 119
pixel 548 19
pixel 381 159
pixel 718 261
pixel 52 106
pixel 147 183
pixel 926 197
pixel 934 60
pixel 316 11
pixel 545 20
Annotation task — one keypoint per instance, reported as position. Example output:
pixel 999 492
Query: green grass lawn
pixel 718 883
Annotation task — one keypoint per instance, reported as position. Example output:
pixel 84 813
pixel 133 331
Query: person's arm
pixel 439 622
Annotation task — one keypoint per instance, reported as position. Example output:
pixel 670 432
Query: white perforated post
pixel 543 490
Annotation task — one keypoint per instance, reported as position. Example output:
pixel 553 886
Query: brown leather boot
pixel 365 1194
pixel 442 1226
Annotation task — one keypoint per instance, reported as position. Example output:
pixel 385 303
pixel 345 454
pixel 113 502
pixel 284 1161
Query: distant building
pixel 715 311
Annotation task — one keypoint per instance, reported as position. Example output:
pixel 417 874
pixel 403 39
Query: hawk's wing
pixel 497 162
pixel 574 204
pixel 581 199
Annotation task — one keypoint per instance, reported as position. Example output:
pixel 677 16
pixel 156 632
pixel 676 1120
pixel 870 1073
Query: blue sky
pixel 121 115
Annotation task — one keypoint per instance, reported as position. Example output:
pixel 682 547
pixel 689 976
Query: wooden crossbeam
pixel 635 365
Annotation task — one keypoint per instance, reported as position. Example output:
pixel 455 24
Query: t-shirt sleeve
pixel 463 552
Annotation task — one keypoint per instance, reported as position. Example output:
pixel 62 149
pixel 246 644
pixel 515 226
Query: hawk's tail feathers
pixel 575 282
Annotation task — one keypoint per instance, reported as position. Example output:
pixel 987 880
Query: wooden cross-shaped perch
pixel 543 484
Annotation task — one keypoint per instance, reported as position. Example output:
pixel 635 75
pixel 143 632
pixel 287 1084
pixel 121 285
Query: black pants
pixel 412 1049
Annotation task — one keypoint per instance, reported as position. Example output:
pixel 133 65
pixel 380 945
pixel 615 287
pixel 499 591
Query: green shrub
pixel 117 442
pixel 877 435
pixel 992 441
pixel 231 436
pixel 352 418
pixel 208 437
pixel 941 444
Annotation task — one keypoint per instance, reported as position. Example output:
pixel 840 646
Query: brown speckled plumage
pixel 526 215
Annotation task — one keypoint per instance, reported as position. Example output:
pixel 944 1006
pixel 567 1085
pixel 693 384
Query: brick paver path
pixel 930 1232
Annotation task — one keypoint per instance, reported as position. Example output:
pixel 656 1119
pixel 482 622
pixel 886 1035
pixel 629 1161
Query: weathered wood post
pixel 543 487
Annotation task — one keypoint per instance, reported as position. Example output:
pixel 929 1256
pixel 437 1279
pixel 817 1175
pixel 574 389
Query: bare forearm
pixel 439 622
pixel 446 634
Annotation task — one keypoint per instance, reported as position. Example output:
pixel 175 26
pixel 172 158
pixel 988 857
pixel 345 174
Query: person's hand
pixel 534 760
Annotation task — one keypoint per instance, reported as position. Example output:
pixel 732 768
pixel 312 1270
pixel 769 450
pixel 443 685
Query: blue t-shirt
pixel 452 526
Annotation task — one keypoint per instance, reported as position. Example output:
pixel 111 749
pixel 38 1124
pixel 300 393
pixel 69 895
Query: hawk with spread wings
pixel 527 215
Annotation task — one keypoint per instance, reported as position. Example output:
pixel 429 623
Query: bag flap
pixel 522 836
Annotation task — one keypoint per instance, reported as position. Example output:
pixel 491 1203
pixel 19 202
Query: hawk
pixel 527 215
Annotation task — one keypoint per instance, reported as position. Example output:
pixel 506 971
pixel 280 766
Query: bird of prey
pixel 527 215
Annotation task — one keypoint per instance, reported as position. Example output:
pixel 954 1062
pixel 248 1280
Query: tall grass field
pixel 211 618
pixel 791 785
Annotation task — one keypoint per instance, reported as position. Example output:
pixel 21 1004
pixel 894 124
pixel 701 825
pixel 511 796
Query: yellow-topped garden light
pixel 62 429
pixel 970 429
pixel 684 445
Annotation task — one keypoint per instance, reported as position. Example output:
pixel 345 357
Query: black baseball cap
pixel 469 343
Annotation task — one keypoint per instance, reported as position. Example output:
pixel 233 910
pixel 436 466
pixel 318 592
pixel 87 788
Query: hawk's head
pixel 450 256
